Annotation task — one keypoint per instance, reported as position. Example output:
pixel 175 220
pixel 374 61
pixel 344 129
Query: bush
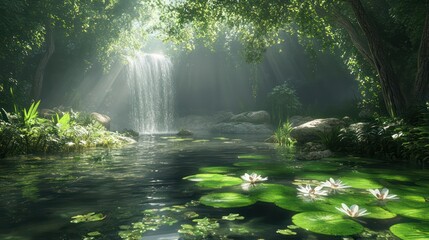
pixel 25 133
pixel 283 103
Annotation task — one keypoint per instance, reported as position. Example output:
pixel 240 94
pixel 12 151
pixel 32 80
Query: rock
pixel 102 119
pixel 298 120
pixel 198 123
pixel 257 117
pixel 184 133
pixel 242 128
pixel 310 131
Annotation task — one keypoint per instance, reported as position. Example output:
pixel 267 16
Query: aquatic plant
pixel 282 135
pixel 334 184
pixel 383 195
pixel 353 211
pixel 253 178
pixel 89 217
pixel 310 192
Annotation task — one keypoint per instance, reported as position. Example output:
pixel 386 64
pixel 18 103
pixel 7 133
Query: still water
pixel 138 192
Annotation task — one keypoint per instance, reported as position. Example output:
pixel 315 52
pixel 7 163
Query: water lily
pixel 383 195
pixel 353 211
pixel 334 184
pixel 253 178
pixel 308 191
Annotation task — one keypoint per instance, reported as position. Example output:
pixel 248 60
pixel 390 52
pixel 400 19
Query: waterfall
pixel 151 93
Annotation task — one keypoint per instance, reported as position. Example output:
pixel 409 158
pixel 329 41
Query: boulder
pixel 298 120
pixel 311 130
pixel 102 119
pixel 198 123
pixel 258 117
pixel 184 133
pixel 242 128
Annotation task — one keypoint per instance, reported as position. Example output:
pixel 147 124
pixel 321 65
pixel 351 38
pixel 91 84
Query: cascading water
pixel 151 93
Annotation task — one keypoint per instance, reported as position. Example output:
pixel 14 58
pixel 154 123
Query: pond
pixel 170 188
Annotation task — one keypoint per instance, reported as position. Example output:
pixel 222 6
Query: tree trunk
pixel 392 93
pixel 422 77
pixel 41 67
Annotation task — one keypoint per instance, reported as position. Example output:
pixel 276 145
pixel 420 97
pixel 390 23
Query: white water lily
pixel 334 184
pixel 353 211
pixel 308 191
pixel 253 178
pixel 383 195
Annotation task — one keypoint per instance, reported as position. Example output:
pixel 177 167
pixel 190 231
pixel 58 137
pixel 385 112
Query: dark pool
pixel 138 192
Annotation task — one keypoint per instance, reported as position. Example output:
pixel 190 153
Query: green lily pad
pixel 321 166
pixel 412 209
pixel 316 176
pixel 221 138
pixel 217 169
pixel 89 217
pixel 378 213
pixel 226 200
pixel 272 192
pixel 232 217
pixel 253 156
pixel 210 180
pixel 201 141
pixel 414 231
pixel 286 232
pixel 296 204
pixel 326 223
pixel 180 139
pixel 360 182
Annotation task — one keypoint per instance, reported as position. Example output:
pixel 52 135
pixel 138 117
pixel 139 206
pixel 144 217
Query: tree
pixel 377 39
pixel 30 30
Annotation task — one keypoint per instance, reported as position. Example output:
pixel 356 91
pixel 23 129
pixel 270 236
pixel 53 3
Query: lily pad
pixel 201 141
pixel 253 156
pixel 360 182
pixel 414 231
pixel 326 223
pixel 296 204
pixel 286 232
pixel 272 192
pixel 412 209
pixel 217 169
pixel 378 213
pixel 321 166
pixel 226 200
pixel 210 180
pixel 232 217
pixel 89 217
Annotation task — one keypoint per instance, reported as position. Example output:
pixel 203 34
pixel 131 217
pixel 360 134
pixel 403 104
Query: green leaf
pixel 232 217
pixel 210 180
pixel 217 169
pixel 410 208
pixel 285 232
pixel 412 231
pixel 271 192
pixel 327 223
pixel 226 200
pixel 253 156
pixel 89 217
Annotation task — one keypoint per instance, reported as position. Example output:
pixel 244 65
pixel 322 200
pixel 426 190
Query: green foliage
pixel 331 139
pixel 26 133
pixel 205 228
pixel 388 138
pixel 31 115
pixel 282 135
pixel 283 103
